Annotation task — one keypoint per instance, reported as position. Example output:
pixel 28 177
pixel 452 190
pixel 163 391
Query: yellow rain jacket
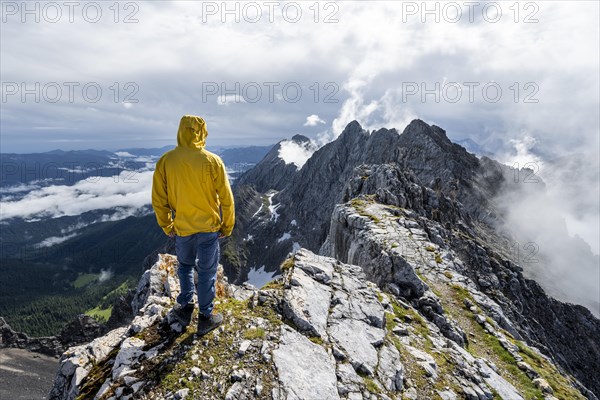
pixel 190 189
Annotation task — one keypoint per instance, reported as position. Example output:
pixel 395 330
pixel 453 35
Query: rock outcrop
pixel 320 331
pixel 414 250
pixel 452 198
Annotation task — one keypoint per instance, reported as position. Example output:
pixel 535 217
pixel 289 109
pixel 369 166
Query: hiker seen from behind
pixel 193 203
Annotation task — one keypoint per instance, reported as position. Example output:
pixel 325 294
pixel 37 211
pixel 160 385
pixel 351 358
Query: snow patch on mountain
pixel 258 277
pixel 273 207
pixel 283 237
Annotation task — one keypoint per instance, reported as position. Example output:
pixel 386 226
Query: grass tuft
pixel 84 280
pixel 287 264
pixel 254 333
pixel 371 385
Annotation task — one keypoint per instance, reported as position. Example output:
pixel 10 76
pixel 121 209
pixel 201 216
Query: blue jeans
pixel 199 251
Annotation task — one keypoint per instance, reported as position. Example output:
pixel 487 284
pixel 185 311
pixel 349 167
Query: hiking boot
pixel 183 314
pixel 207 323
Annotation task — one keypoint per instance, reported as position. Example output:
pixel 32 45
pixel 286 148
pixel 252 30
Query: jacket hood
pixel 192 132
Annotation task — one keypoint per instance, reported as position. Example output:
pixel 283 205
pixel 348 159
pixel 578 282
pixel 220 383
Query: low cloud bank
pixel 557 229
pixel 129 191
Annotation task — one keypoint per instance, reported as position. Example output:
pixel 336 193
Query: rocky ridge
pixel 305 203
pixel 453 195
pixel 321 331
pixel 407 227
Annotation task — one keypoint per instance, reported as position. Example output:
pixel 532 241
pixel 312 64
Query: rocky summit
pixel 320 331
pixel 394 280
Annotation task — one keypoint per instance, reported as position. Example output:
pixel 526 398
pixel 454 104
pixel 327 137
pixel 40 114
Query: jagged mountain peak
pixel 299 139
pixel 310 193
pixel 433 138
pixel 353 126
pixel 419 127
pixel 416 124
pixel 423 149
pixel 352 132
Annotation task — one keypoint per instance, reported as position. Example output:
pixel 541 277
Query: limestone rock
pixel 358 340
pixel 389 369
pixel 425 360
pixel 305 369
pixel 306 303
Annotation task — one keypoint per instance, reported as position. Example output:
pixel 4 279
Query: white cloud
pixel 53 240
pixel 227 99
pixel 129 191
pixel 149 160
pixel 557 229
pixel 367 64
pixel 313 120
pixel 73 228
pixel 19 188
pixel 522 155
pixel 572 190
pixel 105 275
pixel 123 212
pixel 296 153
pixel 549 252
pixel 124 154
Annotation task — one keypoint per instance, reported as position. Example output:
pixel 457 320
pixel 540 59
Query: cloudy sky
pixel 73 78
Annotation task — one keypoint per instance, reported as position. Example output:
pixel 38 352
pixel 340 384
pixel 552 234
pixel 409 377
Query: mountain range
pixel 395 277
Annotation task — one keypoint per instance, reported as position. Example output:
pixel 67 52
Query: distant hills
pixel 45 255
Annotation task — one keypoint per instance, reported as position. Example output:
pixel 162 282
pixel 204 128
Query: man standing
pixel 192 199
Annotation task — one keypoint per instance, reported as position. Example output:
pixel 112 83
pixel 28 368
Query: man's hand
pixel 221 235
pixel 172 234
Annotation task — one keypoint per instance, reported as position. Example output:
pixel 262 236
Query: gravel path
pixel 25 375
